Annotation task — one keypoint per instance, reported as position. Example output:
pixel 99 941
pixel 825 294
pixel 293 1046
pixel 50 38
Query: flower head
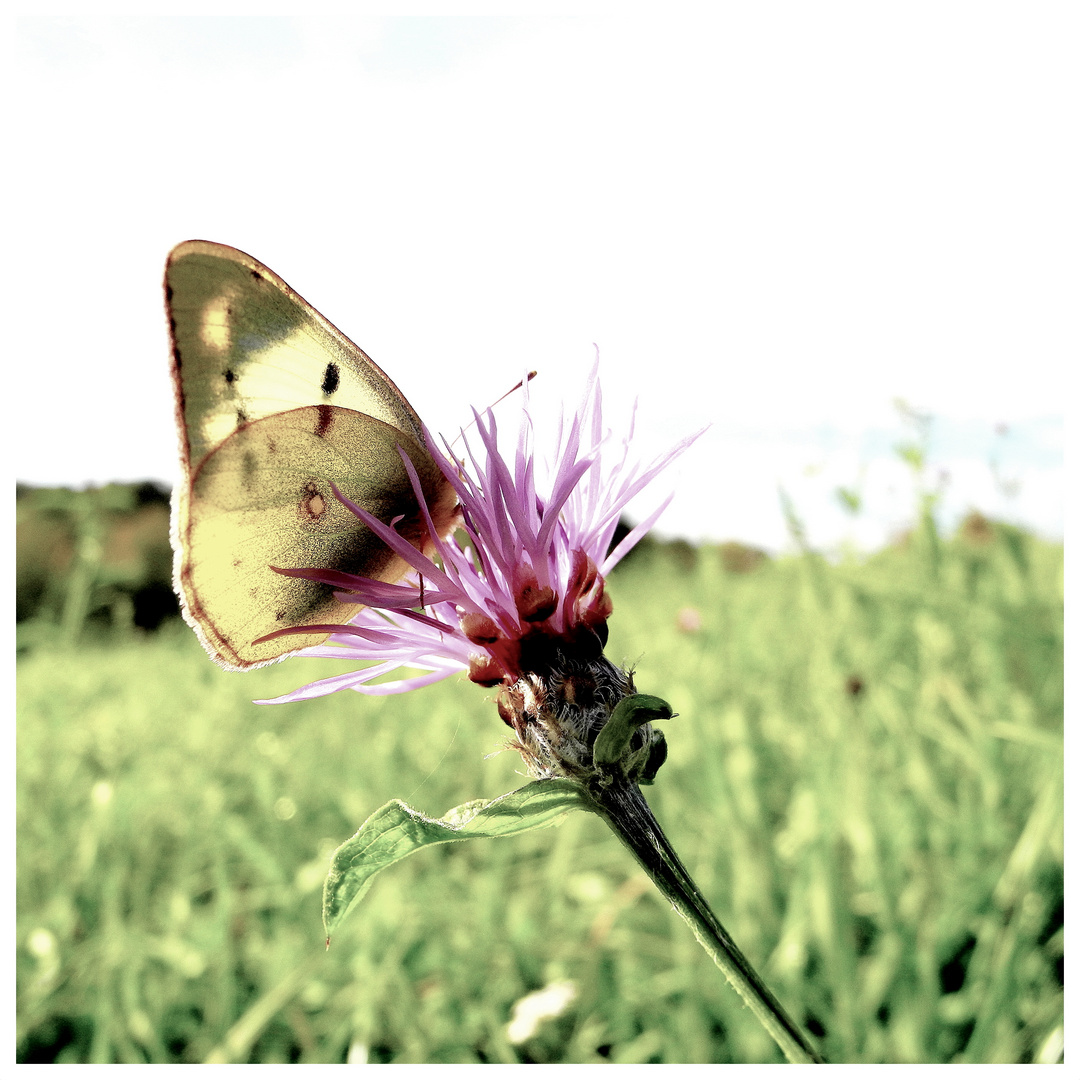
pixel 516 594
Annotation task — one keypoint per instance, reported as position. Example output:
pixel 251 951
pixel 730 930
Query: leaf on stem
pixel 397 830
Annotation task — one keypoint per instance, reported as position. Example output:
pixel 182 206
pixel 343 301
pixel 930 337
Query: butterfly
pixel 274 405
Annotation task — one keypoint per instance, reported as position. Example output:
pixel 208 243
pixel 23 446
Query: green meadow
pixel 865 779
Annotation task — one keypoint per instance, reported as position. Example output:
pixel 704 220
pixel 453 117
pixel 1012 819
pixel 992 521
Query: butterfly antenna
pixel 513 390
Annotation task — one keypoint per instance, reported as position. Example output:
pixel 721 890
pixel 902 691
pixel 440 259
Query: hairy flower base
pixel 584 721
pixel 558 713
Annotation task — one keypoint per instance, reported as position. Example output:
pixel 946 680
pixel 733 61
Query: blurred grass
pixel 865 779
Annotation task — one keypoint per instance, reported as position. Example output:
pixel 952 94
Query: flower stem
pixel 629 815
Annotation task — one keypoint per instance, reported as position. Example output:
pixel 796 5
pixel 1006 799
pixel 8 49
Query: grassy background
pixel 865 779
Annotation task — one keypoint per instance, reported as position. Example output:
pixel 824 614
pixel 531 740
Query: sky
pixel 820 230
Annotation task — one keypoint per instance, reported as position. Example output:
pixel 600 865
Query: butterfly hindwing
pixel 263 499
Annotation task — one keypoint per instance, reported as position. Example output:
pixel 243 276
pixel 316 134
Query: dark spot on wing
pixel 241 418
pixel 230 376
pixel 312 503
pixel 168 293
pixel 257 276
pixel 324 421
pixel 331 379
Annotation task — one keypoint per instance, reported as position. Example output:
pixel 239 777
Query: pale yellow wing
pixel 274 404
pixel 263 499
pixel 245 346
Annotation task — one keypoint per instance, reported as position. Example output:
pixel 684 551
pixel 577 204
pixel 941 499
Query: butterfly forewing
pixel 245 346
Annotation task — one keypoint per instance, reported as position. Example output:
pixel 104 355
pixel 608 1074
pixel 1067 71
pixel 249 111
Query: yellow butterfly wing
pixel 245 346
pixel 274 404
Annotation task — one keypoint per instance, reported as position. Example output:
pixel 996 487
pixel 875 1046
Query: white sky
pixel 775 221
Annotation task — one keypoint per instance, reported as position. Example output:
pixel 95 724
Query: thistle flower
pixel 517 595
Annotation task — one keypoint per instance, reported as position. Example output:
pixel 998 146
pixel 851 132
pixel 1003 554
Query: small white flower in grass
pixel 41 943
pixel 44 947
pixel 533 1009
pixel 1052 1049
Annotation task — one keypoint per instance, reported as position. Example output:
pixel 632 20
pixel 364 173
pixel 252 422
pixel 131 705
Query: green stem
pixel 628 814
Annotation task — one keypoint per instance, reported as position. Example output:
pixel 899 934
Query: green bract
pixel 611 751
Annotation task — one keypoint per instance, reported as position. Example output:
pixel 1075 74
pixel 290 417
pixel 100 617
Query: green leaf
pixel 912 454
pixel 396 830
pixel 850 499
